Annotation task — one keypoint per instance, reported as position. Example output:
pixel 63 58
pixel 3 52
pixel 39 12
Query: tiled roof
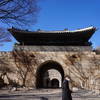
pixel 64 37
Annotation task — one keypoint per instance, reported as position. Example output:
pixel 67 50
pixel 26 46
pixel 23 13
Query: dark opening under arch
pixel 45 67
pixel 55 83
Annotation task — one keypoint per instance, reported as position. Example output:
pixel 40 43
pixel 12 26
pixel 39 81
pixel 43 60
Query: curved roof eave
pixel 63 31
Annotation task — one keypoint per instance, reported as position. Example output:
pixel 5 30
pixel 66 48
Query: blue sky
pixel 71 14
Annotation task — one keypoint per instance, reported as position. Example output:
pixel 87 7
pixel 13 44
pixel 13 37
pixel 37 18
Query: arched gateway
pixel 45 76
pixel 59 46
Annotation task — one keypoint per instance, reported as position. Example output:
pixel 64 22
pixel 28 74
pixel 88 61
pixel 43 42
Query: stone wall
pixel 82 67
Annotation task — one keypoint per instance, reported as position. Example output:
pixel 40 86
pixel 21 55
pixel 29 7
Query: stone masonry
pixel 82 67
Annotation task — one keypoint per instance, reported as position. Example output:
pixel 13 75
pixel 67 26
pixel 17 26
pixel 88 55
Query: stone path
pixel 45 94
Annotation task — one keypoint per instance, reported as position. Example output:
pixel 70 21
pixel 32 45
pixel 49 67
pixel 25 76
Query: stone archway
pixel 48 74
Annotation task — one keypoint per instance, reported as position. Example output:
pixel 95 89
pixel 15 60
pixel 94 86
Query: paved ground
pixel 45 94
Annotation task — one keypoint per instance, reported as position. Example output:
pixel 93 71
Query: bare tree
pixel 5 68
pixel 4 36
pixel 85 76
pixel 23 61
pixel 76 68
pixel 18 11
